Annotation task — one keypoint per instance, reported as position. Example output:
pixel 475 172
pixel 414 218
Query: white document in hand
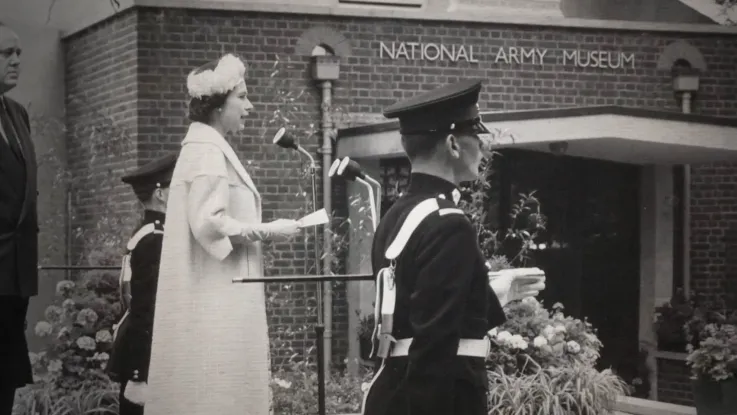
pixel 319 217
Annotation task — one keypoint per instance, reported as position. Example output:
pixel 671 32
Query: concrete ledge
pixel 635 406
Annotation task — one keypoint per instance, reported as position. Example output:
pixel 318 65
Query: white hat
pixel 227 74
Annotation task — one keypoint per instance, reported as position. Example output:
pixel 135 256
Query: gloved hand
pixel 279 229
pixel 282 228
pixel 517 283
pixel 136 392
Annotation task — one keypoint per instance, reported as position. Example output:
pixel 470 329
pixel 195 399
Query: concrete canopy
pixel 621 134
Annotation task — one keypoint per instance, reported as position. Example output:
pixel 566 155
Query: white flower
pixel 492 332
pixel 540 341
pixel 68 304
pixel 530 300
pixel 63 287
pixel 518 342
pixel 560 329
pixel 87 316
pixel 64 331
pixel 43 329
pixel 504 336
pixel 54 366
pixel 573 347
pixel 283 383
pixel 53 313
pixel 365 386
pixel 548 332
pixel 103 336
pixel 86 343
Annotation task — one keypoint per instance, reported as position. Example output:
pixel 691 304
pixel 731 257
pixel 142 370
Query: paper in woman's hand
pixel 317 218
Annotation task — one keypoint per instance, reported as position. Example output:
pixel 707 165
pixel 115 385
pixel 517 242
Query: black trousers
pixel 430 395
pixel 16 365
pixel 7 396
pixel 127 407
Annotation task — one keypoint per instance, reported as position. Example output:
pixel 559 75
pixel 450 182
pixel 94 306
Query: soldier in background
pixel 131 354
pixel 430 269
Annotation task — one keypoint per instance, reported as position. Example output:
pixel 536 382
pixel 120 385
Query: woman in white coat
pixel 210 353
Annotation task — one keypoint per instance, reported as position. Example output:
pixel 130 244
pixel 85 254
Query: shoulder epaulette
pixel 145 230
pixel 416 216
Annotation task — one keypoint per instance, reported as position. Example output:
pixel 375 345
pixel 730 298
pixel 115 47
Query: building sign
pixel 508 55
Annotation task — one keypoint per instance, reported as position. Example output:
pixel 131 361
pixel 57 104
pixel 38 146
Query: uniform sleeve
pixel 446 260
pixel 207 209
pixel 495 315
pixel 145 260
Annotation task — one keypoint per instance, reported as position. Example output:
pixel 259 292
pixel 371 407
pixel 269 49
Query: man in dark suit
pixel 436 301
pixel 18 226
pixel 131 354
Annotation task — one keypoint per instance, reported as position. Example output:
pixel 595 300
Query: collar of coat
pixel 203 133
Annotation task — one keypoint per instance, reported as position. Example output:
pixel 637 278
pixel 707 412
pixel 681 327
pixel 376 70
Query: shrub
pixel 78 326
pixel 576 389
pixel 670 320
pixel 712 334
pixel 98 399
pixel 533 338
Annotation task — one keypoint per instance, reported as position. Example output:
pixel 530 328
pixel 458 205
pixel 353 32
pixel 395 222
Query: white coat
pixel 210 353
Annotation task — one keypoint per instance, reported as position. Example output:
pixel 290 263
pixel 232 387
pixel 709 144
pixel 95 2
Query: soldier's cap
pixel 151 176
pixel 451 108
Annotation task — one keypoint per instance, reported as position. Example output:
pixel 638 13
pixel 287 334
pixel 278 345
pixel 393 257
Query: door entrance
pixel 592 238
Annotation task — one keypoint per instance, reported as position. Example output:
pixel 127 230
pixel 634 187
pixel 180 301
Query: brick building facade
pixel 133 67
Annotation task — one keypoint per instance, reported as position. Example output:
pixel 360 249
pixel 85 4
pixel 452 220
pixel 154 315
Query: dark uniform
pixel 443 297
pixel 131 354
pixel 18 247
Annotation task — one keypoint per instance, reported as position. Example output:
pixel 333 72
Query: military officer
pixel 131 352
pixel 436 301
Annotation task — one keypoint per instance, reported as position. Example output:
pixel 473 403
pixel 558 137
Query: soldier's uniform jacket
pixel 442 284
pixel 131 354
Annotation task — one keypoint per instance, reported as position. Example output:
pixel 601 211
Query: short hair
pixel 421 145
pixel 201 109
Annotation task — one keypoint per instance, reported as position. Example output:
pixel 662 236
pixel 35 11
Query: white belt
pixel 466 347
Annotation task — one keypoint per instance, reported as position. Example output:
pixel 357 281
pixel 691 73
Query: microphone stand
pixel 320 326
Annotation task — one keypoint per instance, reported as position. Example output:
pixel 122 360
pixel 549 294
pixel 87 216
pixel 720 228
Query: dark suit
pixel 443 295
pixel 131 354
pixel 18 244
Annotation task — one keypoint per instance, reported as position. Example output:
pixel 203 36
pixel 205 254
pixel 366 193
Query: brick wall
pixel 101 115
pixel 171 42
pixel 674 382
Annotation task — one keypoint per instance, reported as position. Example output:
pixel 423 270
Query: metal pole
pixel 320 339
pixel 313 173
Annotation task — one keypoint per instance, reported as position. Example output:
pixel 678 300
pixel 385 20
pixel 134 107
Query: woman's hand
pixel 282 228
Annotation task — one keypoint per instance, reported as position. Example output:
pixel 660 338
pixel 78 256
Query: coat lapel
pixel 203 133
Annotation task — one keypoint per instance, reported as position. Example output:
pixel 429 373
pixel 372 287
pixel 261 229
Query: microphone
pixel 284 139
pixel 350 170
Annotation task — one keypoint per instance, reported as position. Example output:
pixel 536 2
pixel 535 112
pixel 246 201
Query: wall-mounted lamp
pixel 325 65
pixel 685 83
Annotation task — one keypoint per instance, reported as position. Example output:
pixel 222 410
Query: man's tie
pixel 9 129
